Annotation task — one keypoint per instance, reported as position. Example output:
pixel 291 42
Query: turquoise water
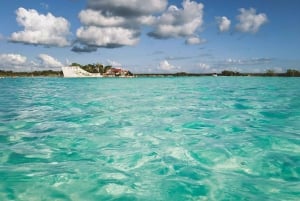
pixel 201 138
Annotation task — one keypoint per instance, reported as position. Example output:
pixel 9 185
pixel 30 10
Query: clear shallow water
pixel 201 138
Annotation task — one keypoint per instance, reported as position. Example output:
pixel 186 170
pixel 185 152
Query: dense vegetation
pixel 292 73
pixel 46 73
pixel 288 73
pixel 93 68
pixel 230 73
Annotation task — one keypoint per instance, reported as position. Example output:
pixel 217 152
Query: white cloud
pixel 223 23
pixel 114 63
pixel 233 61
pixel 146 20
pixel 12 59
pixel 166 66
pixel 107 36
pixel 194 40
pixel 96 18
pixel 177 22
pixel 47 61
pixel 250 61
pixel 249 21
pixel 114 23
pixel 17 62
pixel 41 29
pixel 203 66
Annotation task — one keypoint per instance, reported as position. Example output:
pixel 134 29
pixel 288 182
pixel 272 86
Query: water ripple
pixel 150 139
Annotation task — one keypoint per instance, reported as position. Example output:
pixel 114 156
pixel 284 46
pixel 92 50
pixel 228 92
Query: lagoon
pixel 177 138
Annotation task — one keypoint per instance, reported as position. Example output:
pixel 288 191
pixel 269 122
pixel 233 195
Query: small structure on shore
pixel 78 71
pixel 117 72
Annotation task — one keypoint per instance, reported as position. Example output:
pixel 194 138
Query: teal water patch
pixel 197 138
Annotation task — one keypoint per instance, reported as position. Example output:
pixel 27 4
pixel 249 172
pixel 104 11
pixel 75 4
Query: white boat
pixel 76 71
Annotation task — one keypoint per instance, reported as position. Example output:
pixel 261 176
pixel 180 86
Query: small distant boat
pixel 215 75
pixel 76 71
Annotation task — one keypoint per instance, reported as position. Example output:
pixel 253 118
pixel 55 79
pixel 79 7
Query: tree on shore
pixel 292 73
pixel 100 68
pixel 106 68
pixel 270 72
pixel 75 64
pixel 230 73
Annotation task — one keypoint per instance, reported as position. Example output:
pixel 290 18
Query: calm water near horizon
pixel 195 138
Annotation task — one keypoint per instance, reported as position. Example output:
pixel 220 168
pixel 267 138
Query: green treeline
pixel 93 68
pixel 268 73
pixel 288 73
pixel 45 73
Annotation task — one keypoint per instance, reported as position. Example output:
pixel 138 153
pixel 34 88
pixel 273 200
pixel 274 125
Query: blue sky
pixel 154 36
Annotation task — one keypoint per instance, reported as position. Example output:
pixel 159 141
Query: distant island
pixel 109 71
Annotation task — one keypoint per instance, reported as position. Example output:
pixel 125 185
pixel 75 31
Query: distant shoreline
pixel 50 73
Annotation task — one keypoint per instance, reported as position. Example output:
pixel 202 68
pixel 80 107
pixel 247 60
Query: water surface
pixel 200 138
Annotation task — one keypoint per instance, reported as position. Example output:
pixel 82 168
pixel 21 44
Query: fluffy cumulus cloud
pixel 194 40
pixel 47 61
pixel 223 23
pixel 250 21
pixel 166 66
pixel 17 62
pixel 176 22
pixel 98 18
pixel 105 19
pixel 114 23
pixel 41 29
pixel 107 36
pixel 12 59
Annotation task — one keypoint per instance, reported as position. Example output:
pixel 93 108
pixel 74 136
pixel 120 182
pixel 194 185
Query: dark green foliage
pixel 292 73
pixel 270 73
pixel 106 68
pixel 230 73
pixel 130 73
pixel 75 64
pixel 46 73
pixel 90 68
pixel 181 74
pixel 100 68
